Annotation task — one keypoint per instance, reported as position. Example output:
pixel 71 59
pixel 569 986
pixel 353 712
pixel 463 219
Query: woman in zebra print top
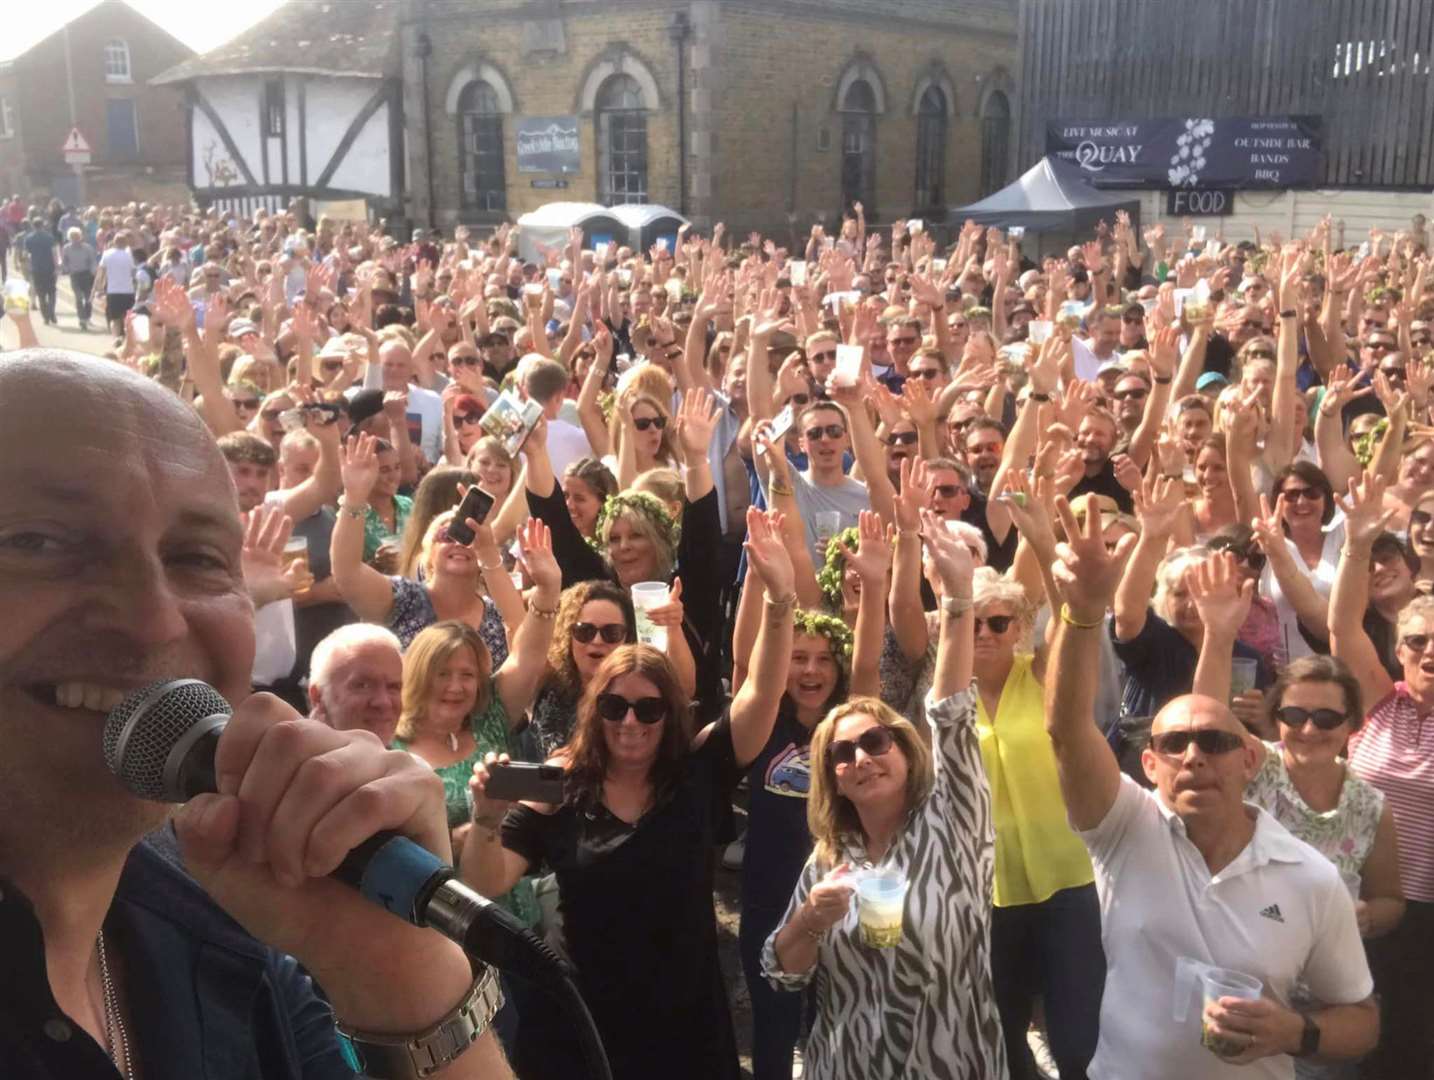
pixel 926 1007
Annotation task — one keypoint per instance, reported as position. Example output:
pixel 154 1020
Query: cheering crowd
pixel 1085 598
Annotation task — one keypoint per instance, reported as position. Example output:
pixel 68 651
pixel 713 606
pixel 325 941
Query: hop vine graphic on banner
pixel 1189 157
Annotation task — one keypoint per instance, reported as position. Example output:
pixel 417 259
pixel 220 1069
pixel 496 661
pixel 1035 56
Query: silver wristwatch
pixel 406 1057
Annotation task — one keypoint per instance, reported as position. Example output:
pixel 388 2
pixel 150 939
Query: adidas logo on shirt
pixel 1273 912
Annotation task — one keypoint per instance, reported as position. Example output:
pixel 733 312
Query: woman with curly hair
pixel 631 846
pixel 884 796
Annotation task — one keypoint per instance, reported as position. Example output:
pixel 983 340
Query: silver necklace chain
pixel 114 1023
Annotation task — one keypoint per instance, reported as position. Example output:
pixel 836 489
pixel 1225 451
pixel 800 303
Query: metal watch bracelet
pixel 409 1057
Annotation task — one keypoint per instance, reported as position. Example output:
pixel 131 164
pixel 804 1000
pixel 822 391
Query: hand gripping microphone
pixel 161 740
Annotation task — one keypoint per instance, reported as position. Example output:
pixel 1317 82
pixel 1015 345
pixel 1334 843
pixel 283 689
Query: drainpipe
pixel 423 50
pixel 679 29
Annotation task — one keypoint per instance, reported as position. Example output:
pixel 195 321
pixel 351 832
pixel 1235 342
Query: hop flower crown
pixel 649 506
pixel 819 624
pixel 829 577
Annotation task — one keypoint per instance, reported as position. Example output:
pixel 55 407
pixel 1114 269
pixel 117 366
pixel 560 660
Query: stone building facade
pixel 789 109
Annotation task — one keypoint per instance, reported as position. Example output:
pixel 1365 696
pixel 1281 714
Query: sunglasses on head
pixel 830 431
pixel 1302 494
pixel 614 708
pixel 1416 642
pixel 642 423
pixel 999 624
pixel 1211 741
pixel 1324 719
pixel 901 438
pixel 612 633
pixel 1250 555
pixel 874 742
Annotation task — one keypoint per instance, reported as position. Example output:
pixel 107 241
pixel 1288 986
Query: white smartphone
pixel 555 276
pixel 938 265
pixel 797 271
pixel 782 423
pixel 916 225
pixel 1015 232
pixel 847 371
pixel 1181 296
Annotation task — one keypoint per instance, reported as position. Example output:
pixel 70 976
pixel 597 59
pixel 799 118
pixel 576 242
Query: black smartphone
pixel 525 781
pixel 475 505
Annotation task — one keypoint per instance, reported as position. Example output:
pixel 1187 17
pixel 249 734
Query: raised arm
pixel 771 462
pixel 1163 353
pixel 1365 518
pixel 1335 456
pixel 1085 575
pixel 872 562
pixel 908 620
pixel 1223 601
pixel 516 682
pixel 1158 507
pixel 319 489
pixel 363 588
pixel 956 645
pixel 754 708
pixel 1309 605
pixel 864 444
pixel 1280 442
pixel 696 421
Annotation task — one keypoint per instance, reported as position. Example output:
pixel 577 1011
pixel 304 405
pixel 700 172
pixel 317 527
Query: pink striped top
pixel 1394 751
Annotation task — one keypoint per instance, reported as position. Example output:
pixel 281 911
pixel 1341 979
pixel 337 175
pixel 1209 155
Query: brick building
pixel 93 73
pixel 789 109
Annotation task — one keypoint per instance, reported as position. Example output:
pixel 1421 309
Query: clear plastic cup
pixel 1217 983
pixel 826 524
pixel 1038 330
pixel 1242 676
pixel 881 901
pixel 647 595
pixel 296 550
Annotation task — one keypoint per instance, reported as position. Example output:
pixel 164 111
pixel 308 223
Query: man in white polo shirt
pixel 1190 872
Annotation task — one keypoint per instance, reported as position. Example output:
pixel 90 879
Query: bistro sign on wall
pixel 549 144
pixel 1225 152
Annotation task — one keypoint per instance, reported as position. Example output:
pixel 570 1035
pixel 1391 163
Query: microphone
pixel 160 742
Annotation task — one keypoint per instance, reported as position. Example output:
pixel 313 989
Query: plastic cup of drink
pixel 1217 983
pixel 1038 331
pixel 827 524
pixel 881 900
pixel 647 595
pixel 296 550
pixel 1242 676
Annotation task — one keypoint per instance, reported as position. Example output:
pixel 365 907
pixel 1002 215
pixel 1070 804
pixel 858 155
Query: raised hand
pixel 918 403
pixel 487 812
pixel 1364 513
pixel 949 555
pixel 266 531
pixel 767 554
pixel 670 614
pixel 170 305
pixel 1085 573
pixel 1221 596
pixel 1268 525
pixel 696 421
pixel 871 558
pixel 1159 504
pixel 914 495
pixel 536 543
pixel 358 466
pixel 1027 507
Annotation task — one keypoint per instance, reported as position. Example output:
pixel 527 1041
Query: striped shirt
pixel 1394 751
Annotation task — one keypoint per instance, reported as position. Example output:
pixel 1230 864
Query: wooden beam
pixel 352 133
pixel 303 131
pixel 203 105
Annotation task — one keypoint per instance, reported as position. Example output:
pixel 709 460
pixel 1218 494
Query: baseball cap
pixel 1209 379
pixel 364 404
pixel 239 327
pixel 1111 367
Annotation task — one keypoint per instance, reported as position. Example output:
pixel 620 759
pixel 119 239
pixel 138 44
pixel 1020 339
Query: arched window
pixel 858 147
pixel 995 142
pixel 621 142
pixel 931 149
pixel 480 149
pixel 117 62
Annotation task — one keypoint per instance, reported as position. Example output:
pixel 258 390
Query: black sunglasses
pixel 830 431
pixel 1250 555
pixel 1381 346
pixel 642 423
pixel 799 399
pixel 332 365
pixel 911 341
pixel 1417 642
pixel 1393 372
pixel 613 633
pixel 1324 719
pixel 1305 494
pixel 463 361
pixel 463 419
pixel 1133 320
pixel 614 708
pixel 1211 741
pixel 927 373
pixel 1136 394
pixel 999 624
pixel 249 403
pixel 1259 354
pixel 948 491
pixel 901 438
pixel 1420 518
pixel 874 742
pixel 818 356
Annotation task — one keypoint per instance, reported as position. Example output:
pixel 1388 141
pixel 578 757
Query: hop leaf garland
pixel 649 506
pixel 829 578
pixel 1366 444
pixel 820 624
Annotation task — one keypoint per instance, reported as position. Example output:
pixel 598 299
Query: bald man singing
pixel 1192 876
pixel 120 565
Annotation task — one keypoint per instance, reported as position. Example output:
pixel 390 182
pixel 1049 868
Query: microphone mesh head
pixel 143 728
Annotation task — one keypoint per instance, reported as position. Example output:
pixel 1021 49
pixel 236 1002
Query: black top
pixel 205 998
pixel 999 556
pixel 639 923
pixel 778 842
pixel 1105 483
pixel 697 565
pixel 1160 665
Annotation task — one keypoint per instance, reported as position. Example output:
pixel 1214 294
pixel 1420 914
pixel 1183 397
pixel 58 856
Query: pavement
pixel 68 334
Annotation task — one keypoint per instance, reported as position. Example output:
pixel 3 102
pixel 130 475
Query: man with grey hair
pixel 544 381
pixel 423 409
pixel 356 680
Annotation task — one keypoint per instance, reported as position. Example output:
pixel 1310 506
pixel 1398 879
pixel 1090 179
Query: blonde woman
pixel 881 798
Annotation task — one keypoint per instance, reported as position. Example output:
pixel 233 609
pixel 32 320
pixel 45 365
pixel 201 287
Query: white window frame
pixel 117 49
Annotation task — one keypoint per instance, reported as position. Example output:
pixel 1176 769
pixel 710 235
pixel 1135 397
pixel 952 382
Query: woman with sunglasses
pixel 1421 540
pixel 440 490
pixel 1393 750
pixel 462 426
pixel 452 570
pixel 641 436
pixel 1261 629
pixel 631 846
pixel 881 798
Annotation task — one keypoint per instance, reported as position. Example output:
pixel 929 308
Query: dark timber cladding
pixel 1363 65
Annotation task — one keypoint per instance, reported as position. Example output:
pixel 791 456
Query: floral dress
pixel 1344 835
pixel 412 612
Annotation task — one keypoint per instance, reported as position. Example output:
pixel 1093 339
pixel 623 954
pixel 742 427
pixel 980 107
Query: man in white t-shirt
pixel 1102 344
pixel 544 381
pixel 425 408
pixel 116 277
pixel 1192 877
